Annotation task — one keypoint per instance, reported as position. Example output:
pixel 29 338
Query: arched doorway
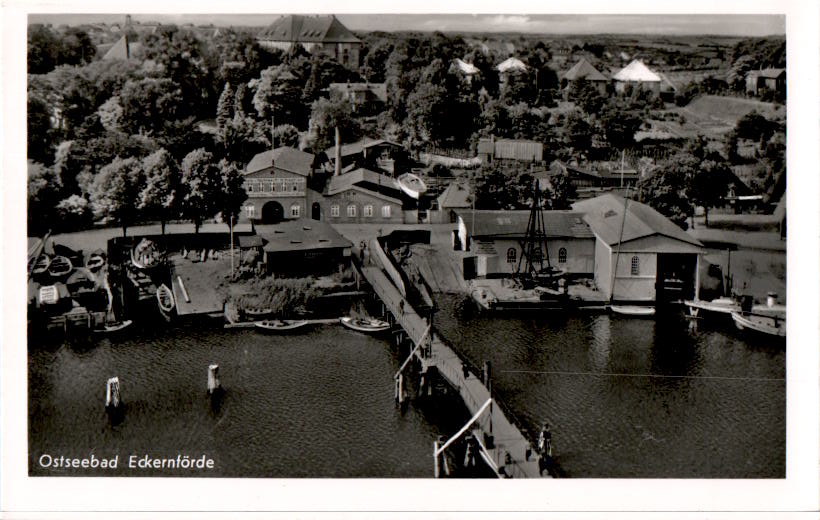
pixel 316 211
pixel 272 212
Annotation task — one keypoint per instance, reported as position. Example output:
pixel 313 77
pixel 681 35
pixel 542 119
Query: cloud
pixel 508 21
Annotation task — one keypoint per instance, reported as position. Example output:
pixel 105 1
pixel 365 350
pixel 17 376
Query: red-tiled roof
pixel 308 29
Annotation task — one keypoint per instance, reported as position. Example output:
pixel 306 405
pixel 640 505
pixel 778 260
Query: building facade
pixel 276 184
pixel 323 33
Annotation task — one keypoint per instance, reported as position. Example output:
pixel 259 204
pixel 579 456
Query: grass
pixel 729 109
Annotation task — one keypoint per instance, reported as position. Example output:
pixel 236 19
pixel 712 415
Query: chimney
pixel 338 155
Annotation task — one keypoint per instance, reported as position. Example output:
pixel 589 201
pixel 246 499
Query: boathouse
pixel 276 184
pixel 652 258
pixel 493 241
pixel 303 246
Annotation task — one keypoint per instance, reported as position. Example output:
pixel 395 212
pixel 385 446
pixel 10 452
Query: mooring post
pixel 439 458
pixel 400 389
pixel 112 393
pixel 436 469
pixel 213 379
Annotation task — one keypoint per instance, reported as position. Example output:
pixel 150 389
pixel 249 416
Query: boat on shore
pixel 412 185
pixel 367 325
pixel 145 254
pixel 255 313
pixel 95 260
pixel 60 266
pixel 633 310
pixel 768 324
pixel 279 325
pixel 114 326
pixel 165 298
pixel 41 264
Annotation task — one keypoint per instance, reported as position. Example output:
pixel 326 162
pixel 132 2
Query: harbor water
pixel 625 398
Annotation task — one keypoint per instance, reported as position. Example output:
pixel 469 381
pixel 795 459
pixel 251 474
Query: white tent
pixel 636 71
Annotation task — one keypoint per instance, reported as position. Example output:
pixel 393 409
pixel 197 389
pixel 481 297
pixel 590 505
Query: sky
pixel 730 25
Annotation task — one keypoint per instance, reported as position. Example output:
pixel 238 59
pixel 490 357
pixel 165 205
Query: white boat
pixel 364 324
pixel 145 254
pixel 114 326
pixel 60 266
pixel 165 298
pixel 484 298
pixel 722 305
pixel 772 325
pixel 279 325
pixel 412 185
pixel 633 310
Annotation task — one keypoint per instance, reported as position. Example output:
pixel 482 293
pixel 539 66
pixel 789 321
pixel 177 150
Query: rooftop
pixel 605 215
pixel 511 64
pixel 344 182
pixel 584 70
pixel 636 71
pixel 358 147
pixel 309 29
pixel 456 195
pixel 300 235
pixel 378 89
pixel 284 158
pixel 513 224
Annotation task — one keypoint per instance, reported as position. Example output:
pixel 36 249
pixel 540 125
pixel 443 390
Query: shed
pixel 303 246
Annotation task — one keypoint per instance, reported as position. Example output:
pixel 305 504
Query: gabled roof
pixel 456 195
pixel 308 29
pixel 340 183
pixel 513 224
pixel 605 213
pixel 767 73
pixel 358 147
pixel 378 89
pixel 300 235
pixel 511 64
pixel 283 158
pixel 122 50
pixel 464 67
pixel 636 71
pixel 584 70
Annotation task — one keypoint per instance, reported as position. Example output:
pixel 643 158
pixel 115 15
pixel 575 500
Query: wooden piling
pixel 436 467
pixel 213 379
pixel 112 393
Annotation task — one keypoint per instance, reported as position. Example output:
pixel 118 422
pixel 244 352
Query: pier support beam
pixel 214 385
pixel 112 394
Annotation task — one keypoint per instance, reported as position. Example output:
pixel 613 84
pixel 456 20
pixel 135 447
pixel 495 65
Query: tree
pixel 43 194
pixel 148 104
pixel 560 192
pixel 224 107
pixel 325 116
pixel 73 212
pixel 620 126
pixel 666 191
pixel 286 135
pixel 110 114
pixel 709 183
pixel 577 132
pixel 375 61
pixel 277 93
pixel 202 181
pixel 115 191
pixel 39 132
pixel 161 193
pixel 233 193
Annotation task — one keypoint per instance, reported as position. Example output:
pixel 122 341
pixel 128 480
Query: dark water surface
pixel 587 375
pixel 320 404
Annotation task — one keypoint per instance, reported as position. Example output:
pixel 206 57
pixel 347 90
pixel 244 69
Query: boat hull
pixel 279 326
pixel 637 311
pixel 769 325
pixel 366 326
pixel 165 298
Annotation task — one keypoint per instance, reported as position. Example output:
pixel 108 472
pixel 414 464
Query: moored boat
pixel 114 326
pixel 364 324
pixel 484 298
pixel 60 266
pixel 279 325
pixel 633 310
pixel 95 260
pixel 41 264
pixel 769 324
pixel 256 313
pixel 165 298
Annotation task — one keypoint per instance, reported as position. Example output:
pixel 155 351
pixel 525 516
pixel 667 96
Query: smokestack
pixel 338 154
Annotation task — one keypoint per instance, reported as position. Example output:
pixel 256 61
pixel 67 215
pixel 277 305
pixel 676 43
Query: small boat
pixel 412 185
pixel 95 260
pixel 364 324
pixel 114 326
pixel 60 266
pixel 722 305
pixel 279 325
pixel 769 324
pixel 165 298
pixel 254 312
pixel 633 310
pixel 145 254
pixel 484 298
pixel 41 264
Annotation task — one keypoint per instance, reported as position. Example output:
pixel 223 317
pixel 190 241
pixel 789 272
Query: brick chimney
pixel 338 154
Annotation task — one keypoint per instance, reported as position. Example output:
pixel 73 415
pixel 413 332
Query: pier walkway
pixel 510 453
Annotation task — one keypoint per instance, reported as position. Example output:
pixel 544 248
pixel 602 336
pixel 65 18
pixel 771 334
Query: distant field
pixel 729 109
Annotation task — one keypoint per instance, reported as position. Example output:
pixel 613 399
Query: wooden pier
pixel 503 446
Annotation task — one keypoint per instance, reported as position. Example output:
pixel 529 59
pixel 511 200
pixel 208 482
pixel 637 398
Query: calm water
pixel 320 404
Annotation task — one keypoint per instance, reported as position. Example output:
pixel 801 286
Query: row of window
pixel 352 209
pixel 512 255
pixel 274 185
pixel 295 211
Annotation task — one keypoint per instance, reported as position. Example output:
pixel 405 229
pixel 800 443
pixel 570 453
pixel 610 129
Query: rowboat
pixel 412 185
pixel 254 312
pixel 722 305
pixel 771 325
pixel 95 260
pixel 41 264
pixel 165 298
pixel 279 325
pixel 145 254
pixel 633 310
pixel 114 326
pixel 484 298
pixel 364 324
pixel 60 266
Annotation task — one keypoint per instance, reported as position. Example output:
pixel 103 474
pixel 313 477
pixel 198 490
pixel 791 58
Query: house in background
pixel 637 75
pixel 366 98
pixel 493 242
pixel 768 79
pixel 325 33
pixel 456 196
pixel 490 149
pixel 466 71
pixel 374 154
pixel 652 258
pixel 584 72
